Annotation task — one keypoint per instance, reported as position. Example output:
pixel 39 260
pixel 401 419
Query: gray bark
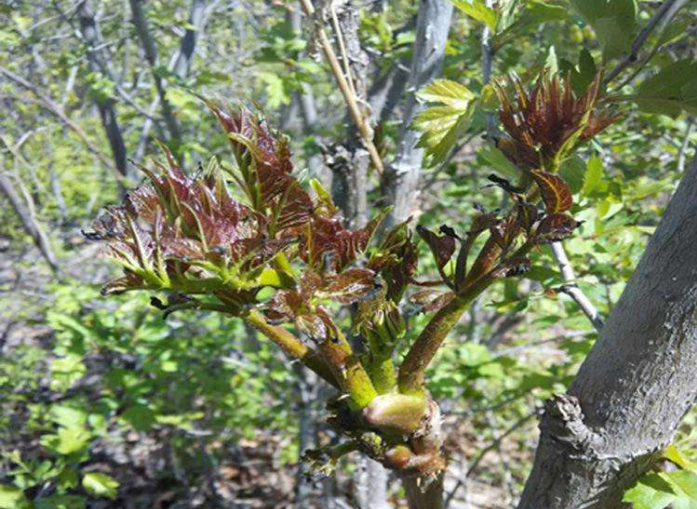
pixel 308 108
pixel 350 161
pixel 637 383
pixel 432 26
pixel 182 65
pixel 371 485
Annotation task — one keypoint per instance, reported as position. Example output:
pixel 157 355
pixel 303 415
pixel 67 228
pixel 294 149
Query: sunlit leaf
pixel 650 492
pixel 100 485
pixel 478 10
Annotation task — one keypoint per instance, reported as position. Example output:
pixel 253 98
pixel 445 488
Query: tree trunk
pixel 107 109
pixel 140 23
pixel 429 496
pixel 637 383
pixel 432 26
pixel 180 65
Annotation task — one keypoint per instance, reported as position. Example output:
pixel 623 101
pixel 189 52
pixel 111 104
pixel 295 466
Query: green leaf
pixel 275 278
pixel 12 497
pixel 478 10
pixel 685 480
pixel 67 440
pixel 614 22
pixel 673 454
pixel 671 90
pixel 594 175
pixel 650 492
pixel 498 161
pixel 572 171
pixel 68 417
pixel 100 485
pixel 447 92
pixel 529 17
pixel 66 371
pixel 67 479
pixel 442 125
pixel 684 503
pixel 582 74
pixel 275 89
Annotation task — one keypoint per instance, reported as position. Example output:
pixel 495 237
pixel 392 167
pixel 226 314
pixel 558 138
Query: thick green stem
pixel 413 369
pixel 348 370
pixel 382 373
pixel 291 346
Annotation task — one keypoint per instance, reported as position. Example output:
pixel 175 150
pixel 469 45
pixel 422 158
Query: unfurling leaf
pixel 543 125
pixel 555 192
pixel 187 235
pixel 395 260
pixel 349 286
pixel 526 216
pixel 442 246
pixel 431 300
pixel 505 233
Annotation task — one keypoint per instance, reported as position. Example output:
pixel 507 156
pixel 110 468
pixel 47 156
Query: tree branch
pixel 142 29
pixel 180 64
pixel 662 17
pixel 31 226
pixel 495 444
pixel 571 289
pixel 291 346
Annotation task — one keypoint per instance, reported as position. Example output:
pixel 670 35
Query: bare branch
pixel 495 444
pixel 29 222
pixel 142 29
pixel 571 289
